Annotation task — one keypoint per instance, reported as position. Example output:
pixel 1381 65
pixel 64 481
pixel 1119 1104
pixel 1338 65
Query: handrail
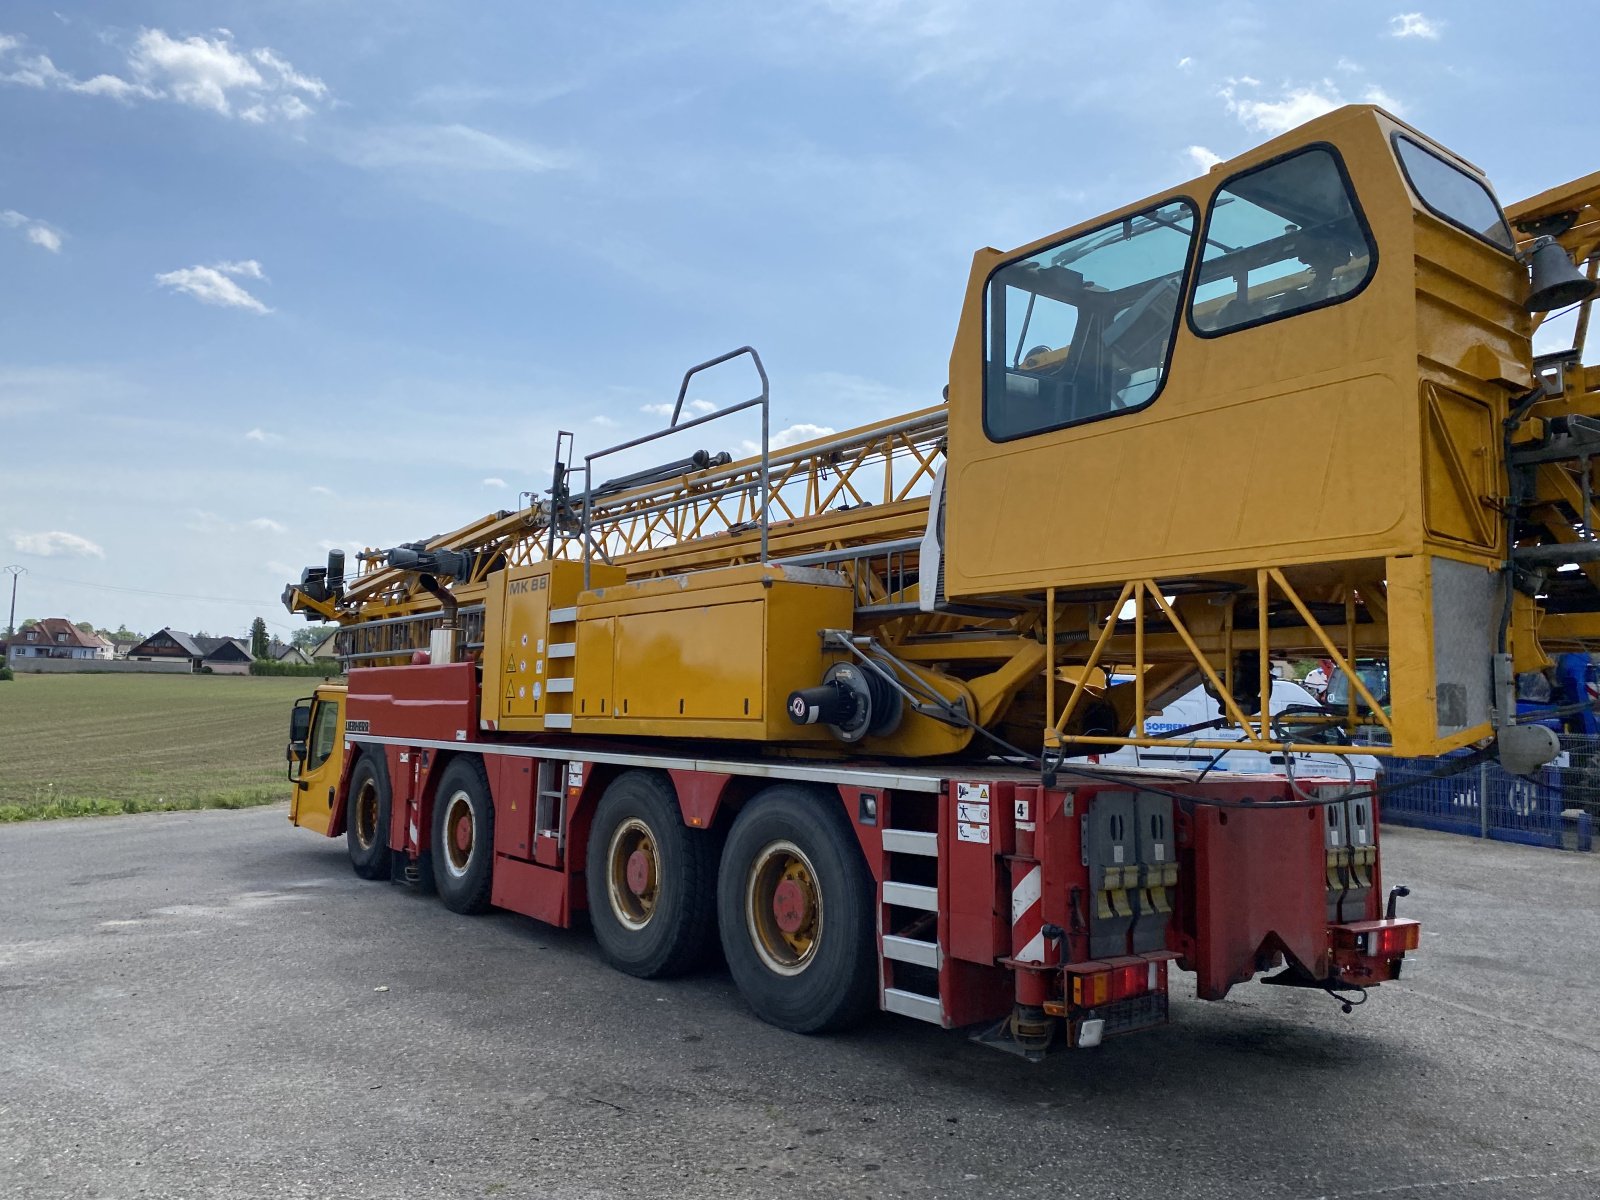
pixel 763 401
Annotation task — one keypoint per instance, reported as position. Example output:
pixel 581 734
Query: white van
pixel 1197 708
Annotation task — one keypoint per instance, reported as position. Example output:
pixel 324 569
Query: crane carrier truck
pixel 834 706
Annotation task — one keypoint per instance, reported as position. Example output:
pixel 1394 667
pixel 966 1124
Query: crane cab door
pixel 316 758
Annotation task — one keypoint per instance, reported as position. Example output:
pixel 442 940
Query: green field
pixel 75 745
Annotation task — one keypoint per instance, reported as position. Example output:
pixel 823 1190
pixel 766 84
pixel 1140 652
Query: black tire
pixel 822 975
pixel 668 924
pixel 366 832
pixel 463 837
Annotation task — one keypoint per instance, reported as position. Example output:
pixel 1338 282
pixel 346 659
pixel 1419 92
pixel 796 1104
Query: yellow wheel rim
pixel 633 873
pixel 367 814
pixel 783 908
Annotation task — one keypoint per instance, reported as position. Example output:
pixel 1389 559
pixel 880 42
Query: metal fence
pixel 1482 800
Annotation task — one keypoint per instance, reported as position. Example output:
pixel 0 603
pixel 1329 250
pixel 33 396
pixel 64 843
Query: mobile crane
pixel 832 705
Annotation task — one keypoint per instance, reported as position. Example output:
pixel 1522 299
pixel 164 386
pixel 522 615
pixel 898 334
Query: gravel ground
pixel 211 1004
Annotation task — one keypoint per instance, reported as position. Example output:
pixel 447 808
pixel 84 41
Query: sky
pixel 279 278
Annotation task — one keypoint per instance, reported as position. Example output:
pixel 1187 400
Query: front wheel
pixel 366 833
pixel 794 906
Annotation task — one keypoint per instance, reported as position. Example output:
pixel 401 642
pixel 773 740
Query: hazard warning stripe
pixel 1027 917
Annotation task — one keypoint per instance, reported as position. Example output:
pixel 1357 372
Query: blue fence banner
pixel 1480 800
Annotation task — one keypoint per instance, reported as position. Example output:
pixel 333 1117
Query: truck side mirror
pixel 300 722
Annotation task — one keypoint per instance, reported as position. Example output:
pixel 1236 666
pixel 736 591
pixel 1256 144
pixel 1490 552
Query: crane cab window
pixel 1452 195
pixel 1083 329
pixel 1281 239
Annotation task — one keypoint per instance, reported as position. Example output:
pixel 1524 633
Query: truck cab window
pixel 1083 329
pixel 1452 195
pixel 1281 239
pixel 324 733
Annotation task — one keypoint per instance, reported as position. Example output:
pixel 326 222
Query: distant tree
pixel 258 638
pixel 309 637
pixel 28 622
pixel 84 626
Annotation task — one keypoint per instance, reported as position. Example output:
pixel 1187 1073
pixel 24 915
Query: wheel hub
pixel 790 906
pixel 641 875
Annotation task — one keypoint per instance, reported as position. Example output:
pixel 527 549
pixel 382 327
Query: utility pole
pixel 13 570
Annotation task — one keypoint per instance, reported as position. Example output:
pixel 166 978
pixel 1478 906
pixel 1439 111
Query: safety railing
pixel 763 402
pixel 1481 800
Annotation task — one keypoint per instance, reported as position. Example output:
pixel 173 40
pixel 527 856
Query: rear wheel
pixel 650 880
pixel 366 833
pixel 794 906
pixel 463 837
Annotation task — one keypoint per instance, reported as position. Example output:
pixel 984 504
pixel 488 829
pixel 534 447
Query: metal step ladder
pixel 908 912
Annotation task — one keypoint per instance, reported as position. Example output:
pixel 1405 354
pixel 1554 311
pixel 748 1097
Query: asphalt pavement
pixel 213 1005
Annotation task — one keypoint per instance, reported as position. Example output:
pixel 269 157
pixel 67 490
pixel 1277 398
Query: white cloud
pixel 203 72
pixel 448 148
pixel 1376 95
pixel 287 76
pixel 261 435
pixel 695 408
pixel 1415 25
pixel 316 488
pixel 1185 63
pixel 804 431
pixel 1201 158
pixel 494 481
pixel 56 544
pixel 37 232
pixel 1295 105
pixel 211 73
pixel 604 421
pixel 214 284
pixel 248 267
pixel 267 525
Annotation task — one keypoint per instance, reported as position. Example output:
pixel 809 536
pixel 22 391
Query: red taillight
pixel 1092 984
pixel 1394 940
pixel 1378 939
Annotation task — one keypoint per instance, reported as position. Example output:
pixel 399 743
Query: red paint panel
pixel 977 896
pixel 1255 881
pixel 511 785
pixel 699 795
pixel 533 891
pixel 426 703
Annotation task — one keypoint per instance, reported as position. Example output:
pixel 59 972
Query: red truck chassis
pixel 1036 913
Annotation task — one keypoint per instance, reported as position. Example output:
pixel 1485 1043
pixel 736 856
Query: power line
pixel 108 587
pixel 258 605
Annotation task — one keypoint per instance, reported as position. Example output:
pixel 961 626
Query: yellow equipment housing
pixel 1287 409
pixel 1326 446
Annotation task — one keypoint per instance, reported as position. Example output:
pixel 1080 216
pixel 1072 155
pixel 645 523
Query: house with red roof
pixel 56 637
